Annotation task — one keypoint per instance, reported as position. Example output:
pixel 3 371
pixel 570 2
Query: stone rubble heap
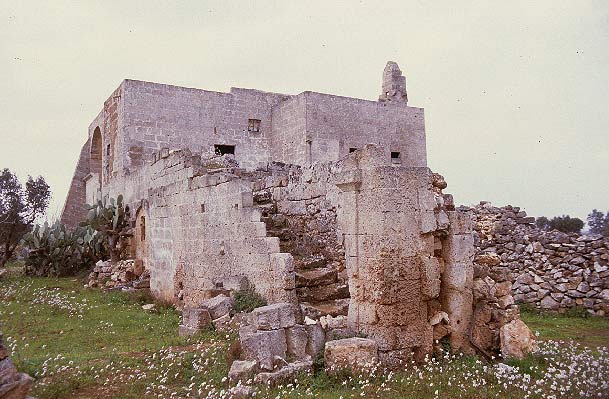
pixel 548 269
pixel 128 274
pixel 13 385
pixel 276 344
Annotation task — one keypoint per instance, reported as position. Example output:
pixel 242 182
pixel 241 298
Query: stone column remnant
pixel 388 222
pixel 394 84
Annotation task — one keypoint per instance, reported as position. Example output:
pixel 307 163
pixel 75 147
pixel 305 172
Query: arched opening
pixel 95 160
pixel 93 181
pixel 140 240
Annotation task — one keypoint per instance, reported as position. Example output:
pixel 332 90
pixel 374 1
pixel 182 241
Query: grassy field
pixel 83 343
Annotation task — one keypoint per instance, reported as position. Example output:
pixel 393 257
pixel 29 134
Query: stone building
pixel 316 199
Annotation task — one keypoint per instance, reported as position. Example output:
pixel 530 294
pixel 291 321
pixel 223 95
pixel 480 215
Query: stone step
pixel 316 277
pixel 322 293
pixel 309 262
pixel 337 307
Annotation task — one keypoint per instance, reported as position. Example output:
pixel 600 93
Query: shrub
pixel 248 300
pixel 56 251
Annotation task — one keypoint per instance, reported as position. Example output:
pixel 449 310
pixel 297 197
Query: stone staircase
pixel 319 288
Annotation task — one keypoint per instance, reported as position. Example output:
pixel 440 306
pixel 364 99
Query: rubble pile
pixel 128 274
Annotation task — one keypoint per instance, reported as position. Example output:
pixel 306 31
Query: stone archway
pixel 141 245
pixel 93 181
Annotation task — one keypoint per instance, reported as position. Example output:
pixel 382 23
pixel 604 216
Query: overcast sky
pixel 516 93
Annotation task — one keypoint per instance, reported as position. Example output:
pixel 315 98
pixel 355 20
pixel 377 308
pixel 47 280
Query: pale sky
pixel 516 93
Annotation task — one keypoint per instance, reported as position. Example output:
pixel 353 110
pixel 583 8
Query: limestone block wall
pixel 163 116
pixel 335 124
pixel 548 269
pixel 202 230
pixel 289 132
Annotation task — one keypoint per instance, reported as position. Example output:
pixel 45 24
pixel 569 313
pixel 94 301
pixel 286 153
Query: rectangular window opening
pixel 395 157
pixel 202 208
pixel 352 149
pixel 108 149
pixel 253 125
pixel 222 149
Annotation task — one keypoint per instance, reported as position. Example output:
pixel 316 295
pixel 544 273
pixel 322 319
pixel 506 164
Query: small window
pixel 352 149
pixel 108 149
pixel 222 149
pixel 202 208
pixel 253 125
pixel 142 228
pixel 395 157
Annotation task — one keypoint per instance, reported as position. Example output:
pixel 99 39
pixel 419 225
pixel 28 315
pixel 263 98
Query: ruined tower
pixel 394 84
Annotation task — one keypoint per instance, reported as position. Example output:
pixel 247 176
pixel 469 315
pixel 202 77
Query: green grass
pixel 85 343
pixel 575 325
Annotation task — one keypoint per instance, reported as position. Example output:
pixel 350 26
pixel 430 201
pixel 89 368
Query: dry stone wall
pixel 547 269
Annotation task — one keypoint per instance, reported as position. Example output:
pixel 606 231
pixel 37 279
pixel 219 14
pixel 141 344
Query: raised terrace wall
pixel 548 269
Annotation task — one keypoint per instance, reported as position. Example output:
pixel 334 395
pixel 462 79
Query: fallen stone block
pixel 350 353
pixel 263 346
pixel 222 323
pixel 218 306
pixel 288 372
pixel 242 370
pixel 276 316
pixel 197 318
pixel 517 340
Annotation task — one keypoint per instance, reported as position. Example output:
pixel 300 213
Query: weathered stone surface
pixel 296 339
pixel 350 353
pixel 196 318
pixel 242 370
pixel 276 316
pixel 263 346
pixel 285 373
pixel 218 306
pixel 517 340
pixel 316 339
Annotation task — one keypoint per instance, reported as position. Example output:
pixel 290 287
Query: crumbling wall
pixel 202 230
pixel 549 269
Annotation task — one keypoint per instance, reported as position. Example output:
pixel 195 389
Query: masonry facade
pixel 314 199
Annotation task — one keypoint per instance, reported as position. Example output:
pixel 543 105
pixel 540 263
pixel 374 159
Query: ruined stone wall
pixel 548 269
pixel 202 230
pixel 164 116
